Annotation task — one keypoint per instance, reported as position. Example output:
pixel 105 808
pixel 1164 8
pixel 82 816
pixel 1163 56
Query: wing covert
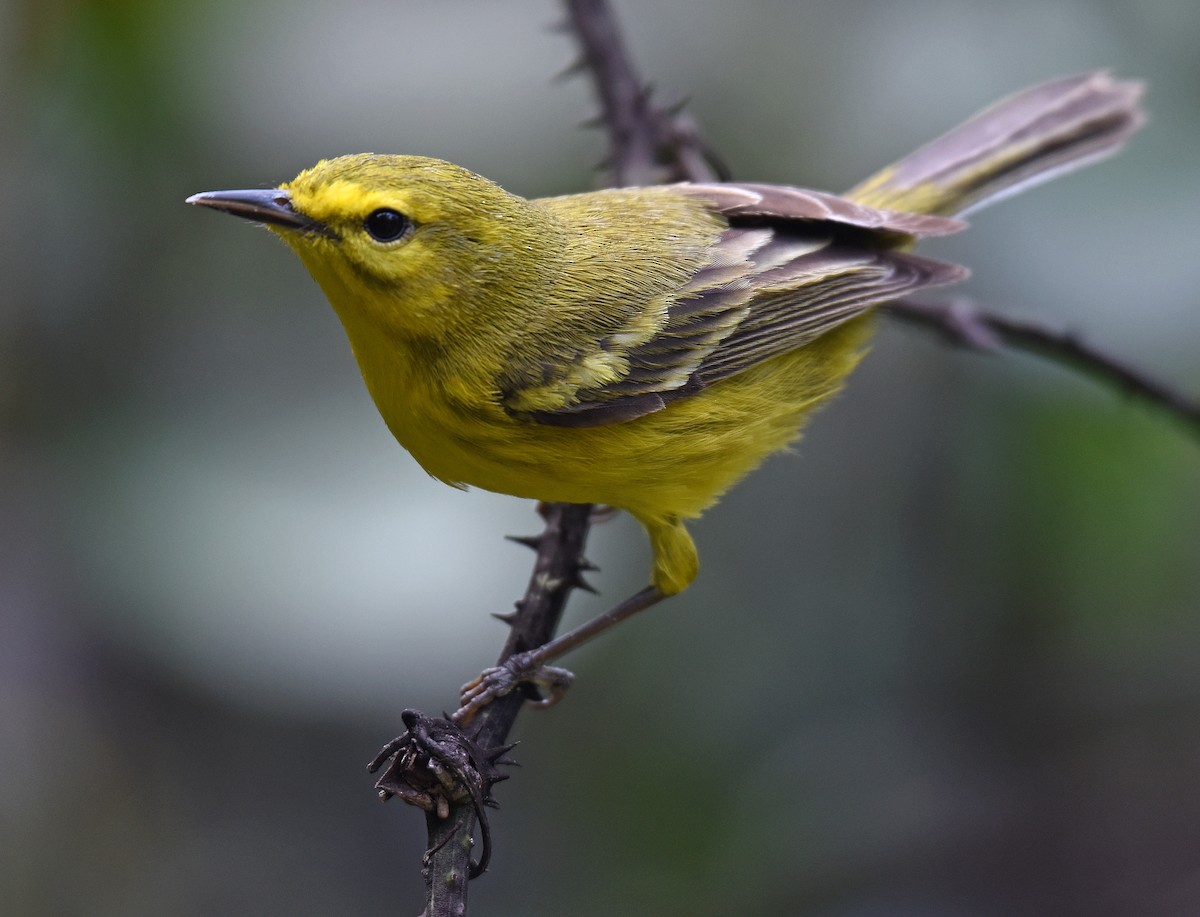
pixel 792 265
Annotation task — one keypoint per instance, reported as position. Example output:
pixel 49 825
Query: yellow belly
pixel 664 467
pixel 675 462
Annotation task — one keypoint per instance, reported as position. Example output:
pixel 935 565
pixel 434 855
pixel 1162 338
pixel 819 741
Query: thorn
pixel 573 69
pixel 505 618
pixel 495 754
pixel 676 107
pixel 578 582
pixel 505 762
pixel 533 542
pixel 586 566
pixel 718 165
pixel 580 65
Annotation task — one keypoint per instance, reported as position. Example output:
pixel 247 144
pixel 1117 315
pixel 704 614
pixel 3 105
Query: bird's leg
pixel 531 667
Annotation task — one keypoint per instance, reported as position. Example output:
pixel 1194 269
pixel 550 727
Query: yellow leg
pixel 676 562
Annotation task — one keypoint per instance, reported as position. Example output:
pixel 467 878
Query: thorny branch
pixel 451 822
pixel 965 324
pixel 649 144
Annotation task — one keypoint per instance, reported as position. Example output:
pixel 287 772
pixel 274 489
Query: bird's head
pixel 422 246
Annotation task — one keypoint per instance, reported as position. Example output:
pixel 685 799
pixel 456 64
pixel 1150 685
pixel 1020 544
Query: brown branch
pixel 962 323
pixel 648 144
pixel 558 569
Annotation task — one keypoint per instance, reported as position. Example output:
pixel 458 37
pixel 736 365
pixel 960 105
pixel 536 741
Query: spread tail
pixel 1027 138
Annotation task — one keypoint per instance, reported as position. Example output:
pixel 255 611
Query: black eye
pixel 385 225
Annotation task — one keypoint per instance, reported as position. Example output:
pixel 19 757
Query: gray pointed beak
pixel 272 205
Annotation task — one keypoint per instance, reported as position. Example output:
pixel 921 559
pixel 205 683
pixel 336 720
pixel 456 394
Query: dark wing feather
pixel 792 265
pixel 785 203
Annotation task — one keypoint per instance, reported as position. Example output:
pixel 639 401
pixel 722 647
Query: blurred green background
pixel 944 661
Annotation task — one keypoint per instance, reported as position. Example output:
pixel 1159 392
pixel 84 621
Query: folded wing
pixel 792 265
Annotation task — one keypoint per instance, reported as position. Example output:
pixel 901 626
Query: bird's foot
pixel 550 684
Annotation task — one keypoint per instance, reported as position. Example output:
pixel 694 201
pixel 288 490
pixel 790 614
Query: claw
pixel 551 682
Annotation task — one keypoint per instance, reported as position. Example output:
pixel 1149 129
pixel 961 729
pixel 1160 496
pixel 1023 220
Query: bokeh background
pixel 945 660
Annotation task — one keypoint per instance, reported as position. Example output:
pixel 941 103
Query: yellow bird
pixel 641 347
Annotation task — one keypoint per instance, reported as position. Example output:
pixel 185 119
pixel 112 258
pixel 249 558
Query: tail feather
pixel 1020 141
